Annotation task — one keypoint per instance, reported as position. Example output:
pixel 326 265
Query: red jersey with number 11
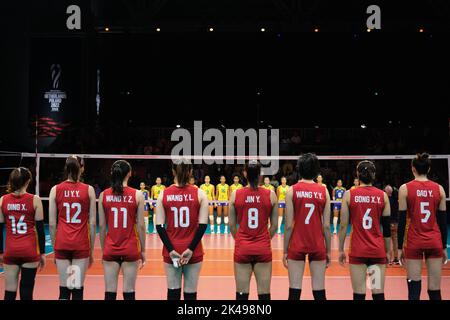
pixel 366 208
pixel 422 230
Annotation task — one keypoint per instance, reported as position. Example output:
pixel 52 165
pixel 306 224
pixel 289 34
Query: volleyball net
pixel 48 168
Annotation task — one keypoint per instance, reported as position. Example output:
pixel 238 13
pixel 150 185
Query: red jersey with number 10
pixel 21 237
pixel 309 201
pixel 422 230
pixel 182 209
pixel 366 208
pixel 73 203
pixel 121 215
pixel 253 210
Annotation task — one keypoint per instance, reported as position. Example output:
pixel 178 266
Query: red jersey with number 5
pixel 253 210
pixel 366 208
pixel 121 218
pixel 182 208
pixel 21 237
pixel 422 230
pixel 73 204
pixel 309 201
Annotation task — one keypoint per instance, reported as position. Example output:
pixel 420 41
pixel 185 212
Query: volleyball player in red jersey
pixel 122 232
pixel 72 219
pixel 368 209
pixel 25 238
pixel 422 212
pixel 252 207
pixel 307 229
pixel 184 210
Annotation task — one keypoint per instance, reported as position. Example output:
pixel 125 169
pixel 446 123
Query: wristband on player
pixel 41 235
pixel 442 222
pixel 198 236
pixel 386 223
pixel 401 228
pixel 164 237
pixel 2 227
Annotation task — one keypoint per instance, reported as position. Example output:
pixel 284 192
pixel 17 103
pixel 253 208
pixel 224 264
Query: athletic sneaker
pixel 211 230
pixel 395 262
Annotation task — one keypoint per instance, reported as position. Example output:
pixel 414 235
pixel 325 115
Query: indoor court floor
pixel 217 279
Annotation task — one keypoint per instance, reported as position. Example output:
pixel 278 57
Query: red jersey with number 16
pixel 309 201
pixel 21 237
pixel 422 230
pixel 253 210
pixel 73 203
pixel 182 209
pixel 122 238
pixel 366 208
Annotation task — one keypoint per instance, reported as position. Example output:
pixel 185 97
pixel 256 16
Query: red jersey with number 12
pixel 253 210
pixel 19 214
pixel 73 203
pixel 182 209
pixel 309 201
pixel 422 229
pixel 366 208
pixel 121 215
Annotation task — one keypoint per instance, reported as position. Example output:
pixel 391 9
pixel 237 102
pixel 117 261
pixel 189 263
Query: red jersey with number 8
pixel 21 237
pixel 182 209
pixel 309 200
pixel 366 208
pixel 122 238
pixel 422 230
pixel 253 210
pixel 73 204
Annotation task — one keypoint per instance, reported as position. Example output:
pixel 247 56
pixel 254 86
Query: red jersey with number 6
pixel 182 209
pixel 422 230
pixel 21 237
pixel 73 204
pixel 309 201
pixel 366 208
pixel 122 238
pixel 253 210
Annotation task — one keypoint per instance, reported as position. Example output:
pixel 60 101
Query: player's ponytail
pixel 422 163
pixel 18 178
pixel 253 172
pixel 308 166
pixel 119 171
pixel 72 168
pixel 366 171
pixel 182 171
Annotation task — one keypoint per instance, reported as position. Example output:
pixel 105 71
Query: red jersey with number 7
pixel 73 205
pixel 182 209
pixel 253 210
pixel 365 210
pixel 21 237
pixel 309 201
pixel 122 238
pixel 422 230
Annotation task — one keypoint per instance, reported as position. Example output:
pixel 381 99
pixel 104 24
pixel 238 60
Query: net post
pixel 38 162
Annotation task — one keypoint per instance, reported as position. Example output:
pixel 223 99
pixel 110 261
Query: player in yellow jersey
pixel 192 182
pixel 222 196
pixel 236 185
pixel 355 184
pixel 267 184
pixel 320 181
pixel 281 194
pixel 209 190
pixel 154 194
pixel 146 194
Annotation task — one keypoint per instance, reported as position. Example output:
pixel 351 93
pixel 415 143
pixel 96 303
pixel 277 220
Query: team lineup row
pixel 182 214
